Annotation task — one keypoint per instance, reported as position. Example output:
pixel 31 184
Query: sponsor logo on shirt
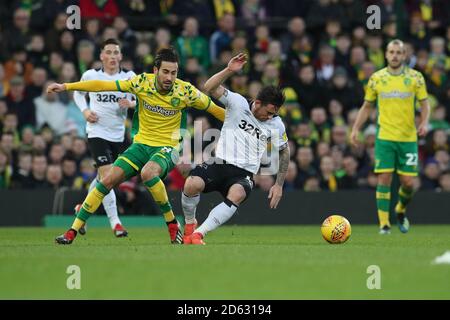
pixel 395 94
pixel 160 110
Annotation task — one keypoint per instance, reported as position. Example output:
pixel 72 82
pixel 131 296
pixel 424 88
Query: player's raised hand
pixel 275 194
pixel 56 87
pixel 90 116
pixel 354 137
pixel 237 62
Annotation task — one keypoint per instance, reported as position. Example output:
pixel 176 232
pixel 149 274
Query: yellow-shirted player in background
pixel 394 91
pixel 159 117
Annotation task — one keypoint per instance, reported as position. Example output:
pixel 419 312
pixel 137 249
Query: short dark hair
pixel 165 54
pixel 110 41
pixel 272 95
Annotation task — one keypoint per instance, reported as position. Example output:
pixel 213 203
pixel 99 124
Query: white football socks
pixel 189 205
pixel 218 216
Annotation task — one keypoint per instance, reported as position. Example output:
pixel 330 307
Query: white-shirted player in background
pixel 105 114
pixel 243 140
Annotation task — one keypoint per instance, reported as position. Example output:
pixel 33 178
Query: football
pixel 336 229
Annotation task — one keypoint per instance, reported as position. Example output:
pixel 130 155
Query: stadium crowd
pixel 320 52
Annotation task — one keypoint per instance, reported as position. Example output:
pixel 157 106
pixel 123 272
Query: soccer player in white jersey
pixel 243 140
pixel 105 115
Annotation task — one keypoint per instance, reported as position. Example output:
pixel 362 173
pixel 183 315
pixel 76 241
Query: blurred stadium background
pixel 320 52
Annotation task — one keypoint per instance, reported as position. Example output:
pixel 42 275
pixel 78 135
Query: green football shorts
pixel 137 155
pixel 397 156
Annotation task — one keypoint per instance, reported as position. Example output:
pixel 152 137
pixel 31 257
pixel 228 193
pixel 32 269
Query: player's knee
pixel 408 183
pixel 113 177
pixel 150 171
pixel 108 181
pixel 385 179
pixel 103 170
pixel 236 194
pixel 193 186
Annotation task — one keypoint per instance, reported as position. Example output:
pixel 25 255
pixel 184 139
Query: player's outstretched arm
pixel 90 85
pixel 276 192
pixel 213 85
pixel 361 118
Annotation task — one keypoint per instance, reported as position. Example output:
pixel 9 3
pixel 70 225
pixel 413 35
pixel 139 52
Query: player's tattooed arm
pixel 276 192
pixel 213 86
pixel 285 155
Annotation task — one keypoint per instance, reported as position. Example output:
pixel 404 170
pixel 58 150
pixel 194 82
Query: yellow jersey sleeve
pixel 196 98
pixel 371 93
pixel 133 85
pixel 421 87
pixel 91 86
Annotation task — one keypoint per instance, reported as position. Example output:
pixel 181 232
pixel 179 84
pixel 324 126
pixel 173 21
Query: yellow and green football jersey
pixel 158 118
pixel 395 97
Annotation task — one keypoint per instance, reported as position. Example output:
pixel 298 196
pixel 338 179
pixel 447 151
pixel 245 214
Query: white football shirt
pixel 243 139
pixel 111 118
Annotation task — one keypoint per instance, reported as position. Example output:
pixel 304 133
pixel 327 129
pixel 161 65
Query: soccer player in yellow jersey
pixel 394 91
pixel 160 114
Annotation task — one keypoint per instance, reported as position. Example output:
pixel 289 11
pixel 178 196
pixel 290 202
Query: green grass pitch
pixel 238 262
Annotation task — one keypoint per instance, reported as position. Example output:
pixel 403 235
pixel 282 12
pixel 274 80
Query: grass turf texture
pixel 238 262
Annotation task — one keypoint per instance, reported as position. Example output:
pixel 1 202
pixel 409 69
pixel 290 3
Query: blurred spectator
pixel 321 11
pixel 54 176
pixel 56 153
pixel 7 145
pixel 36 52
pixel 79 149
pixel 296 29
pixel 222 37
pixel 38 80
pixel 325 64
pixel 18 66
pixel 10 124
pixel 5 170
pixel 312 184
pixel 444 182
pixel 127 36
pixel 289 182
pixel 253 12
pixel 18 34
pixel 191 45
pixel 162 38
pixel 21 174
pixel 319 125
pixel 87 173
pixel 291 111
pixel 105 10
pixel 53 34
pixel 438 119
pixel 430 176
pixel 37 178
pixel 39 144
pixel 327 178
pixel 50 111
pixel 305 169
pixel 85 55
pixel 144 57
pixel 349 180
pixel 309 92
